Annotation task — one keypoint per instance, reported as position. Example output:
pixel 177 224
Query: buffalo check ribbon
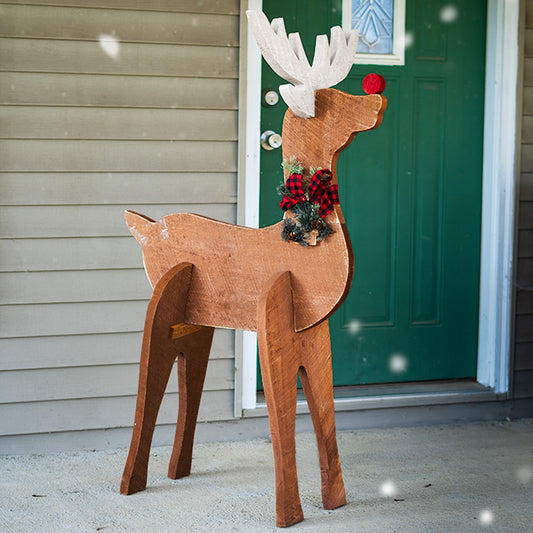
pixel 319 191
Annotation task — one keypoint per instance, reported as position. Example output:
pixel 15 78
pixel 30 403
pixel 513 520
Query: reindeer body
pixel 207 274
pixel 233 263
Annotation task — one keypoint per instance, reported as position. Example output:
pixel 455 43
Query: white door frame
pixel 498 201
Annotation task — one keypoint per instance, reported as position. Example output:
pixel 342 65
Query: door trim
pixel 499 183
pixel 498 200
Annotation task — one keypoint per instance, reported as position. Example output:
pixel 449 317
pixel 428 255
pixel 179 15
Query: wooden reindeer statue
pixel 207 274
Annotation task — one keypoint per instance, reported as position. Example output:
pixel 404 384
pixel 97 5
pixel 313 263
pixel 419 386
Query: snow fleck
pixel 354 326
pixel 449 13
pixel 486 517
pixel 398 363
pixel 164 231
pixel 388 488
pixel 524 474
pixel 408 39
pixel 110 45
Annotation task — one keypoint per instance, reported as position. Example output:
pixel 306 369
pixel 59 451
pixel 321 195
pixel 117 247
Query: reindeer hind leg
pixel 158 353
pixel 193 355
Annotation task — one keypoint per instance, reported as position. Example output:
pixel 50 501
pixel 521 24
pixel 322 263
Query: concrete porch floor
pixel 453 478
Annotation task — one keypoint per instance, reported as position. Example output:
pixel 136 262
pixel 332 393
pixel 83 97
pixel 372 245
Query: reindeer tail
pixel 139 225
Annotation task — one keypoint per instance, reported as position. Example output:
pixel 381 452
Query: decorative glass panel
pixel 381 26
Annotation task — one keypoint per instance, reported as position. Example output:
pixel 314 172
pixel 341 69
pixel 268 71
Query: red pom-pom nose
pixel 373 84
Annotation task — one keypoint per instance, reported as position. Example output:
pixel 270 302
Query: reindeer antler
pixel 286 55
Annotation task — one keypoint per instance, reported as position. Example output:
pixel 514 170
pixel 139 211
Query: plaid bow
pixel 318 191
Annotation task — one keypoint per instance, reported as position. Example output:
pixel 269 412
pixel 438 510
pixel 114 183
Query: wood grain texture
pixel 232 264
pixel 158 354
pixel 284 354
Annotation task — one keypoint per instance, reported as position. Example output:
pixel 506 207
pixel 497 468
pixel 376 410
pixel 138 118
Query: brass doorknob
pixel 270 140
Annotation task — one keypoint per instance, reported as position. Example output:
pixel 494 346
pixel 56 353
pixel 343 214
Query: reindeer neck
pixel 315 145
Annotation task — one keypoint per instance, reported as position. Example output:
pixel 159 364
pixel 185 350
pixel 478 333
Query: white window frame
pixel 398 42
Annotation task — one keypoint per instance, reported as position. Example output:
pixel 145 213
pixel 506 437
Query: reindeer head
pixel 321 121
pixel 286 55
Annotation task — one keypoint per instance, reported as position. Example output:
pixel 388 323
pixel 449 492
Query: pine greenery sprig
pixel 293 232
pixel 305 214
pixel 307 217
pixel 283 190
pixel 292 165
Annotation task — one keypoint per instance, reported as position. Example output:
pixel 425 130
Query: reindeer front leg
pixel 317 381
pixel 279 368
pixel 159 351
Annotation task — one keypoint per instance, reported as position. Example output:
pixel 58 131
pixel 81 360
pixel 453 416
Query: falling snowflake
pixel 110 45
pixel 524 474
pixel 449 13
pixel 398 363
pixel 388 488
pixel 486 517
pixel 408 39
pixel 354 326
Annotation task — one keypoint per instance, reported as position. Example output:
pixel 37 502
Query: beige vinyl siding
pixel 84 136
pixel 523 354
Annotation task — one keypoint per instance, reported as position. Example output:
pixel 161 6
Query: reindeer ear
pixel 139 225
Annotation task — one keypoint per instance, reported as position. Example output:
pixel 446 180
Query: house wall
pixel 522 379
pixel 84 136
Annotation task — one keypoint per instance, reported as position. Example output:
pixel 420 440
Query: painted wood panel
pixel 95 382
pixel 523 385
pixel 525 215
pixel 191 6
pixel 84 135
pixel 90 221
pixel 103 188
pixel 524 356
pixel 524 328
pixel 116 124
pixel 526 187
pixel 524 301
pixel 95 413
pixel 18 88
pixel 526 158
pixel 525 243
pixel 88 24
pixel 69 253
pixel 40 55
pixel 527 121
pixel 528 71
pixel 523 348
pixel 425 286
pixel 89 350
pixel 117 156
pixel 74 286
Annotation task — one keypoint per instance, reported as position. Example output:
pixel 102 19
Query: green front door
pixel 411 195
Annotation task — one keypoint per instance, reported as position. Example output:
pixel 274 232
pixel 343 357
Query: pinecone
pixel 316 224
